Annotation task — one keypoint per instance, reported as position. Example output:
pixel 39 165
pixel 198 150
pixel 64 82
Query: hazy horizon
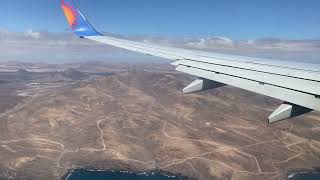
pixel 65 47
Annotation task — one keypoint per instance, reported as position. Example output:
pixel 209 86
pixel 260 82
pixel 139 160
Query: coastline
pixel 67 175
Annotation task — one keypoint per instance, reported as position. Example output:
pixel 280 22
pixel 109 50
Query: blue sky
pixel 37 31
pixel 236 19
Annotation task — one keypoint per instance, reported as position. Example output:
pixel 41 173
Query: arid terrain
pixel 54 118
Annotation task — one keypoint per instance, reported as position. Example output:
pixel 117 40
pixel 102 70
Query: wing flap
pixel 306 86
pixel 296 97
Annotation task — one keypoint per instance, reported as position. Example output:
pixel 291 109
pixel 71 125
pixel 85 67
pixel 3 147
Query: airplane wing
pixel 297 84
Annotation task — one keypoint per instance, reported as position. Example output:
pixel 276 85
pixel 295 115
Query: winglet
pixel 76 20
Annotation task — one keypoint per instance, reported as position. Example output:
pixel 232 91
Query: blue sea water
pixel 304 175
pixel 86 174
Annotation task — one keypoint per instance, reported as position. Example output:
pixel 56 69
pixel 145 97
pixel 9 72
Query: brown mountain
pixel 139 120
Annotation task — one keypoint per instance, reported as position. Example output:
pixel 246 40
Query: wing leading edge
pixel 296 84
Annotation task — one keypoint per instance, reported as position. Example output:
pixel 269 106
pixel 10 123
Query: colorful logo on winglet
pixel 70 13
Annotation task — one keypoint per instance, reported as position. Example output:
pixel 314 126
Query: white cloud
pixel 32 34
pixel 210 43
pixel 66 47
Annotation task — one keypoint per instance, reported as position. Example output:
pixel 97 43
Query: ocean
pixel 85 174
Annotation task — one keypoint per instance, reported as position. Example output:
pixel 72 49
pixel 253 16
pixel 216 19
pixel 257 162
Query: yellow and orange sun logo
pixel 70 13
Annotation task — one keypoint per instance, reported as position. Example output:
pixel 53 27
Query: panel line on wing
pixel 254 70
pixel 295 97
pixel 294 83
pixel 260 82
